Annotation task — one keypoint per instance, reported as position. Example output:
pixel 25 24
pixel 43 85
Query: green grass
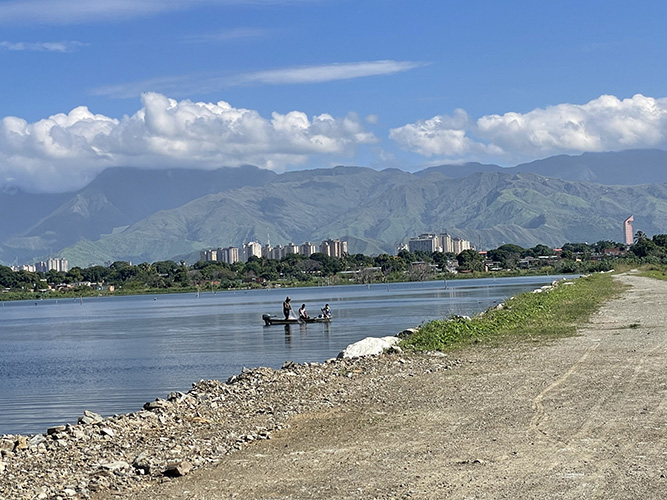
pixel 652 271
pixel 547 314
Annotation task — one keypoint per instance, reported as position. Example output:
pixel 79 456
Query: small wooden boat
pixel 277 320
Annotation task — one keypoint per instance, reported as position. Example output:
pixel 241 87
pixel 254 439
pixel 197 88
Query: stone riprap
pixel 185 431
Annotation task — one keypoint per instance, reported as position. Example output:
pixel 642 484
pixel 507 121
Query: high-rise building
pixel 333 248
pixel 459 245
pixel 445 242
pixel 61 265
pixel 291 248
pixel 429 242
pixel 230 255
pixel 210 255
pixel 423 243
pixel 266 251
pixel 307 249
pixel 251 249
pixel 278 252
pixel 627 230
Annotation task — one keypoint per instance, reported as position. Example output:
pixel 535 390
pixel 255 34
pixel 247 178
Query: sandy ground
pixel 581 417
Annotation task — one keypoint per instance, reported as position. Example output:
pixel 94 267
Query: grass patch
pixel 553 313
pixel 655 273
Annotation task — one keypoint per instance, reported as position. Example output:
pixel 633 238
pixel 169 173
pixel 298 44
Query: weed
pixel 556 312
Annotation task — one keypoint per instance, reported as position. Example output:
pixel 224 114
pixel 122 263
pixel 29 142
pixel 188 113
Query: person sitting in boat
pixel 302 312
pixel 326 311
pixel 287 307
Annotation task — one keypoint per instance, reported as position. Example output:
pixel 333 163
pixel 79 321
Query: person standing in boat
pixel 302 312
pixel 287 307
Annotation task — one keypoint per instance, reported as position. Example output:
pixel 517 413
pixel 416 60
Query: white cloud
pixel 441 135
pixel 62 46
pixel 228 35
pixel 65 151
pixel 326 72
pixel 80 11
pixel 76 11
pixel 603 124
pixel 197 84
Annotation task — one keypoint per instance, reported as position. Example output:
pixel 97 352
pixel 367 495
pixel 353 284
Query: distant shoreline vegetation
pixel 124 278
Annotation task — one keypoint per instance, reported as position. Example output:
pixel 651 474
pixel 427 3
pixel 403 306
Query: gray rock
pixel 157 405
pixel 117 467
pixel 36 440
pixel 142 463
pixel 21 443
pixel 175 396
pixel 6 445
pixel 106 431
pixel 90 417
pixel 179 469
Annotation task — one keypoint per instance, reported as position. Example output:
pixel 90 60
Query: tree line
pixel 296 269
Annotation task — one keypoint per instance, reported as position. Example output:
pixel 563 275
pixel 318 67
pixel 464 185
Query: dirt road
pixel 582 417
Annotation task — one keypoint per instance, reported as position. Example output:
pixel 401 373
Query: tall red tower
pixel 627 230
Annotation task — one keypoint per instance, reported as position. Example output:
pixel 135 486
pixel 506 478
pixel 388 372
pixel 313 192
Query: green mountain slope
pixel 375 211
pixel 117 197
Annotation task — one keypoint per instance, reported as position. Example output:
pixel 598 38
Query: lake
pixel 112 354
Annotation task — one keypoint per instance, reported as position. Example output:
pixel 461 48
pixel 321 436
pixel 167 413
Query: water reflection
pixel 111 354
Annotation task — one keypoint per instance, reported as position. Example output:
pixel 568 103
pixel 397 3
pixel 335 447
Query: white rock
pixel 369 346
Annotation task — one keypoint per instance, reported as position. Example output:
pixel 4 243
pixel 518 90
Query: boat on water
pixel 277 320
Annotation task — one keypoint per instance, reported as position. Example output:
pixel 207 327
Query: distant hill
pixel 632 167
pixel 147 215
pixel 375 211
pixel 117 198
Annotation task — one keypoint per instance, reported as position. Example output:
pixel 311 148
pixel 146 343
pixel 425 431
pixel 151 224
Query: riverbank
pixel 88 292
pixel 517 419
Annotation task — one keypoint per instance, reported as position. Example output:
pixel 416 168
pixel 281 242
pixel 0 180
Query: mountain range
pixel 148 215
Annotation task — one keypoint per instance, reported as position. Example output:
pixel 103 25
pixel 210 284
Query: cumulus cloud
pixel 62 46
pixel 65 151
pixel 603 124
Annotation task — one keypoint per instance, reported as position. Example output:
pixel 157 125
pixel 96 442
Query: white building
pixel 208 255
pixel 251 249
pixel 423 243
pixel 333 248
pixel 307 249
pixel 291 248
pixel 61 265
pixel 230 255
pixel 443 242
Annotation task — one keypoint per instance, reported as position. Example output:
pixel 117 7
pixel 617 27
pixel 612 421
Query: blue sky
pixel 296 84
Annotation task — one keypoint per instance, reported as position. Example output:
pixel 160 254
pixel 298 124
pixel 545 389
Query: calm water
pixel 112 354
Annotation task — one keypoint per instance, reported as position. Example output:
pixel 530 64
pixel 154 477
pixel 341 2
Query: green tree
pixel 508 255
pixel 542 250
pixel 645 248
pixel 660 240
pixel 470 260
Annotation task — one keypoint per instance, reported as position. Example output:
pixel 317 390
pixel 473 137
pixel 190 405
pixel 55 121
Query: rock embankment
pixel 172 436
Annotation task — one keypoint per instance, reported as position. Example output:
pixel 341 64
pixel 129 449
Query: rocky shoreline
pixel 172 436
